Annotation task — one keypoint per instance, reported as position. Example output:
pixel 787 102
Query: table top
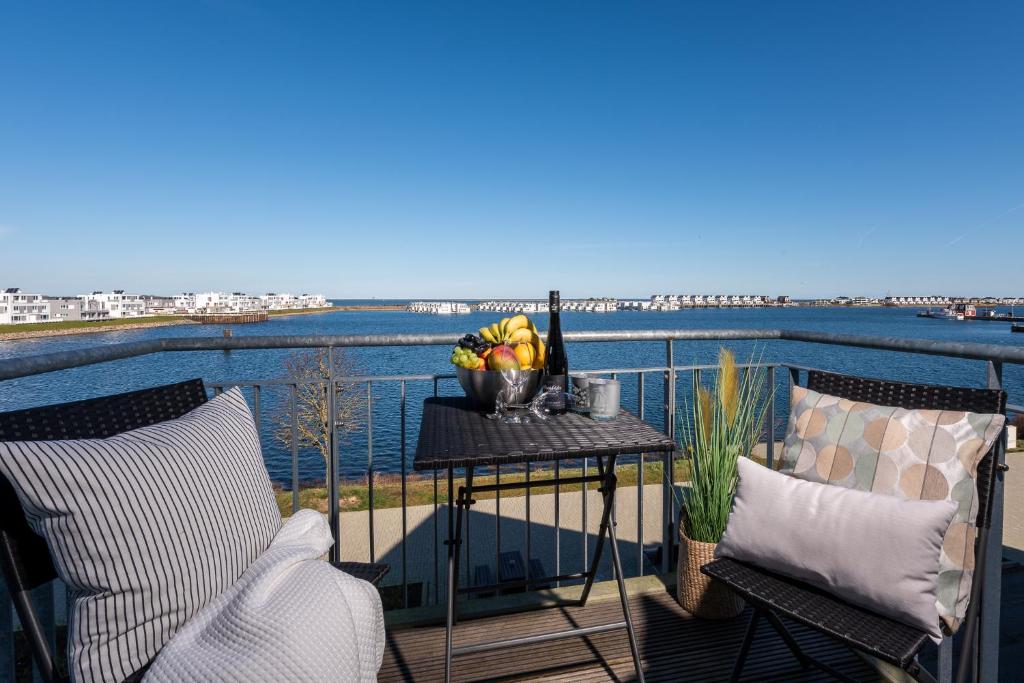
pixel 453 434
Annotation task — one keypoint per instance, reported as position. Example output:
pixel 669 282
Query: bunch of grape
pixel 473 343
pixel 465 358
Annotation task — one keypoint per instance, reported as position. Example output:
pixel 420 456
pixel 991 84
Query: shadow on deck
pixel 673 645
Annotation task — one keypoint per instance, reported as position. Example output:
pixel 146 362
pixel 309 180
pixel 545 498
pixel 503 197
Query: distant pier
pixel 228 318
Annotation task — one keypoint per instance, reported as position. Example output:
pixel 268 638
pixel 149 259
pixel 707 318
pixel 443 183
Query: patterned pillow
pixel 146 527
pixel 914 454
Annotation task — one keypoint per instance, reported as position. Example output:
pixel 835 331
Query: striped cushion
pixel 146 527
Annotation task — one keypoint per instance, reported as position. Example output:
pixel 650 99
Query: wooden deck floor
pixel 674 646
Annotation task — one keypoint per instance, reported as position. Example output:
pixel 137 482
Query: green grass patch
pixel 85 324
pixel 354 496
pixel 300 311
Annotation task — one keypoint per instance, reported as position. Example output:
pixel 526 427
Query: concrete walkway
pixel 426 534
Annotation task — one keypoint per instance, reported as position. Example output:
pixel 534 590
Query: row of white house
pixel 438 307
pixel 17 306
pixel 514 306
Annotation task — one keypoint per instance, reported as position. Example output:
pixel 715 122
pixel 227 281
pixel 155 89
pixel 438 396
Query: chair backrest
pixel 922 397
pixel 25 558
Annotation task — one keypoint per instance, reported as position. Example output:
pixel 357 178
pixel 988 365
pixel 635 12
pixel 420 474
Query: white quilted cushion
pixel 290 617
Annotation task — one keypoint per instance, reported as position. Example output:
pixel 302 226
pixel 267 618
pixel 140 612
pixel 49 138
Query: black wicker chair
pixel 774 597
pixel 24 555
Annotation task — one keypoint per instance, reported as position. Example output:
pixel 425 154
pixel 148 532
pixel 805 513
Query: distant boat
pixel 1017 327
pixel 951 312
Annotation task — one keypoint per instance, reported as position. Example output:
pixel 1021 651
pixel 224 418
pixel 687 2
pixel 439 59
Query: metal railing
pixel 993 356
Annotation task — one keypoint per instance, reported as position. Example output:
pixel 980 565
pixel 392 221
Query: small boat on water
pixel 1017 327
pixel 951 312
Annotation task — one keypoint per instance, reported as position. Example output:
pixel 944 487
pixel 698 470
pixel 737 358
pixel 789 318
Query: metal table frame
pixel 607 479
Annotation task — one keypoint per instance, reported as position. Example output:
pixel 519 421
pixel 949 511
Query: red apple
pixel 503 358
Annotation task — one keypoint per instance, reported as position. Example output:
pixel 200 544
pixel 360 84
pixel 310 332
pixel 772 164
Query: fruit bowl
pixel 482 386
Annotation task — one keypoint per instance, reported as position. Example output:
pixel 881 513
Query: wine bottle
pixel 556 366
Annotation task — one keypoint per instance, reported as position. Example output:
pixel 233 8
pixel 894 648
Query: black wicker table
pixel 453 435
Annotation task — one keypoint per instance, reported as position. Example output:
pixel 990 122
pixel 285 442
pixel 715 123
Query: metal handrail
pixel 25 366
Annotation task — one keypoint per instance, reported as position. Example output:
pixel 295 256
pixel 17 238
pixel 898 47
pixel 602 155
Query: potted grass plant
pixel 719 425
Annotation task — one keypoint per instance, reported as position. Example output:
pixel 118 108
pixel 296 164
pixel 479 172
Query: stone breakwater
pixel 35 334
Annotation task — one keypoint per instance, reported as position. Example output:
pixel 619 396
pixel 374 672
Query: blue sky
pixel 501 149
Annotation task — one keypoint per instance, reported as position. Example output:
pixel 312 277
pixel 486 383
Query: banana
pixel 516 323
pixel 520 335
pixel 485 334
pixel 496 333
pixel 503 328
pixel 538 345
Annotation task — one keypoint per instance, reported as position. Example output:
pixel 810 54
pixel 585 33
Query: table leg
pixel 602 529
pixel 623 597
pixel 454 550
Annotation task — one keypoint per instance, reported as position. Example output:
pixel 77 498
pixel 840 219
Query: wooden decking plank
pixel 673 645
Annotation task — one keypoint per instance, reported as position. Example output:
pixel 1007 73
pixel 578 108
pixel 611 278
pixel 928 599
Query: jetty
pixel 228 318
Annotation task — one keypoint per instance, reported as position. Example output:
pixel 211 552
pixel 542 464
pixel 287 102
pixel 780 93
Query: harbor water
pixel 221 366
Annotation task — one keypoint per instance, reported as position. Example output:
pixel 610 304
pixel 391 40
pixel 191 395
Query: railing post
pixel 640 482
pixel 332 461
pixel 369 467
pixel 405 503
pixel 991 596
pixel 668 523
pixel 295 447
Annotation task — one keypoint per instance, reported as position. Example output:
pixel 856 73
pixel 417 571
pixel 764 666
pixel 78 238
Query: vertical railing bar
pixel 332 460
pixel 369 467
pixel 405 518
pixel 256 407
pixel 770 417
pixel 558 524
pixel 640 483
pixel 528 539
pixel 497 528
pixel 667 498
pixel 6 633
pixel 469 510
pixel 583 514
pixel 217 390
pixel 991 596
pixel 296 492
pixel 437 557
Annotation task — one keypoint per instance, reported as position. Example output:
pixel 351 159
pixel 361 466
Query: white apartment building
pixel 186 301
pixel 312 301
pixel 117 303
pixel 275 302
pixel 212 301
pixel 18 307
pixel 156 305
pixel 65 309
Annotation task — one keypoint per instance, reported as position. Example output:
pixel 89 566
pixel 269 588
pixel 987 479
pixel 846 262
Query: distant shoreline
pixel 65 328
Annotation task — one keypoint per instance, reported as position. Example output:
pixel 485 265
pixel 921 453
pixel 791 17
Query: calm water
pixel 244 365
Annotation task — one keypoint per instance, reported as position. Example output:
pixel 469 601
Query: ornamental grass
pixel 719 425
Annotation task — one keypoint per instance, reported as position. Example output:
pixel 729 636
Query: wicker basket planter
pixel 697 593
